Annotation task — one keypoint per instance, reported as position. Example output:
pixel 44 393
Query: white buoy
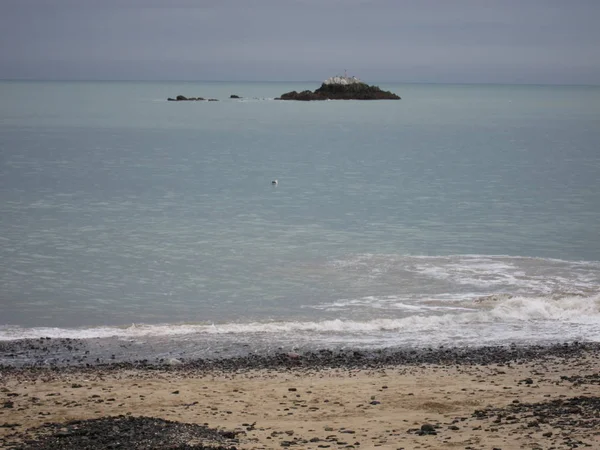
pixel 274 182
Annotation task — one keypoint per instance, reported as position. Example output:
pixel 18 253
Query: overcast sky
pixel 506 41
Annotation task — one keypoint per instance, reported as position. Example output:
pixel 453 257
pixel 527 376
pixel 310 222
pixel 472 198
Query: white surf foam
pixel 393 302
pixel 510 314
pixel 517 275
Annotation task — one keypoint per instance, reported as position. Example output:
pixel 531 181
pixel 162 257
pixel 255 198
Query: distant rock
pixel 304 96
pixel 341 88
pixel 182 98
pixel 234 96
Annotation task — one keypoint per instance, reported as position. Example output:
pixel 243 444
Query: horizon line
pixel 131 80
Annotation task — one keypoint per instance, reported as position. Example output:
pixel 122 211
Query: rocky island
pixel 183 98
pixel 341 88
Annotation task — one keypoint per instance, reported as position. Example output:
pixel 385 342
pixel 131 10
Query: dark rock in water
pixel 182 98
pixel 213 100
pixel 234 96
pixel 359 91
pixel 303 96
pixel 342 88
pixel 124 432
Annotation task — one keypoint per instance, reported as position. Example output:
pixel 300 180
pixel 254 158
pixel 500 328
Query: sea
pixel 461 215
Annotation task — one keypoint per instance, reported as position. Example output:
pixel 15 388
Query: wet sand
pixel 548 401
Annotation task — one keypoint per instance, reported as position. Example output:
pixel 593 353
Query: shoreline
pixel 493 397
pixel 65 353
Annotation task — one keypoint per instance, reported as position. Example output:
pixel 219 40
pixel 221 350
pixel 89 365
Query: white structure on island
pixel 343 80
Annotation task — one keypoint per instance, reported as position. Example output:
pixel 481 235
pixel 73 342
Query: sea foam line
pixel 516 310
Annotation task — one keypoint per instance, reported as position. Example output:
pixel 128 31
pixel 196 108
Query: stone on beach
pixel 431 396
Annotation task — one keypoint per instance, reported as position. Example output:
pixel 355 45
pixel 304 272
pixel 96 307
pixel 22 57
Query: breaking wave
pixel 545 315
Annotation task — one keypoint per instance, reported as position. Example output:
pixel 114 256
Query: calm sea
pixel 460 215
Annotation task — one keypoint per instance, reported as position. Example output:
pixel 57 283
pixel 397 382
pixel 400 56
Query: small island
pixel 182 98
pixel 341 88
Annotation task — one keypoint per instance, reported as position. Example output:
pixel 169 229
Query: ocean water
pixel 460 215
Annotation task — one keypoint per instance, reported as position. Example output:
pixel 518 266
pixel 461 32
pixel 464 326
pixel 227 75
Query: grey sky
pixel 508 41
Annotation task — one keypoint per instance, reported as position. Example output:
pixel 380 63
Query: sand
pixel 549 403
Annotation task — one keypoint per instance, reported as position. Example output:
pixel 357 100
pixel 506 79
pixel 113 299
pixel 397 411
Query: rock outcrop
pixel 342 88
pixel 182 98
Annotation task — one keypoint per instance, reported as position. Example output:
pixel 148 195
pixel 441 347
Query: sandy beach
pixel 542 403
